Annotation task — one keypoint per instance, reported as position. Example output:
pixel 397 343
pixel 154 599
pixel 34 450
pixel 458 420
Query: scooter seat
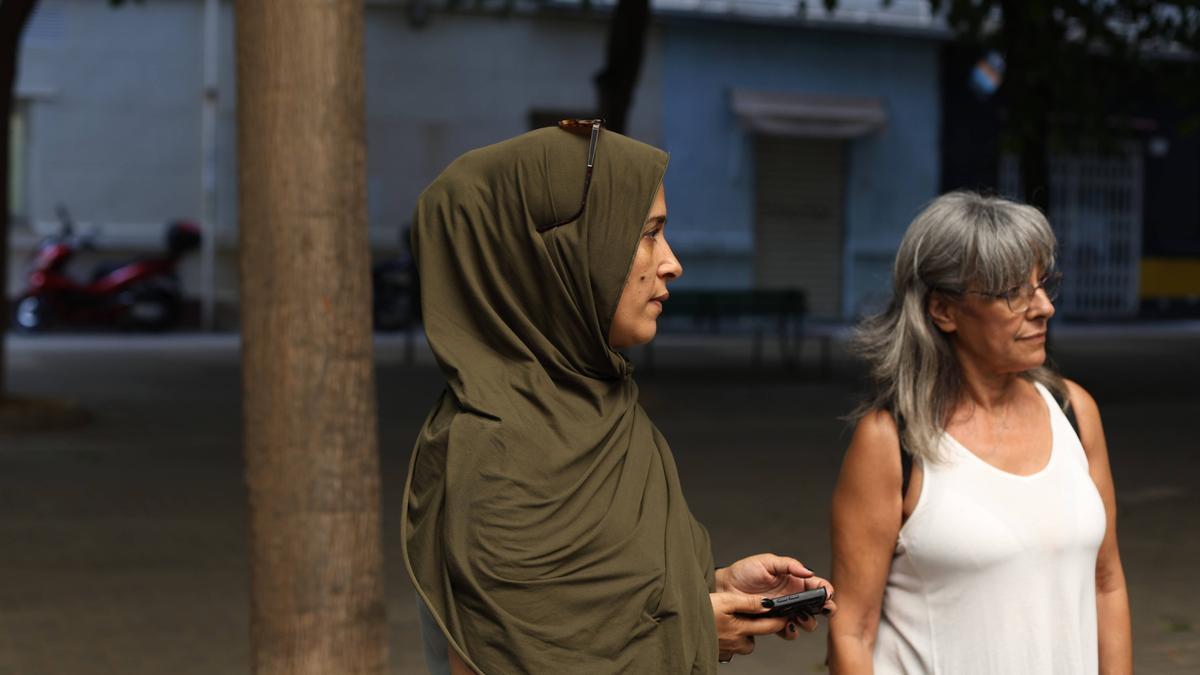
pixel 104 269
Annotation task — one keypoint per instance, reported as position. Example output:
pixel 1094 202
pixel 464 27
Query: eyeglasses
pixel 1019 298
pixel 581 128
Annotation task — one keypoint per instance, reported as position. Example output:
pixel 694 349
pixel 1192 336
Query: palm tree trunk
pixel 311 452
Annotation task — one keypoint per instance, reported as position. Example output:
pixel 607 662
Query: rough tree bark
pixel 14 14
pixel 311 452
pixel 626 42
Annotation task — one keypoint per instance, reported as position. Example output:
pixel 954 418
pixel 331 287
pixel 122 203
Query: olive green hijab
pixel 544 525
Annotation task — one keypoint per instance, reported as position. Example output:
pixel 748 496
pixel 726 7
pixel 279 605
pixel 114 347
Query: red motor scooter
pixel 140 294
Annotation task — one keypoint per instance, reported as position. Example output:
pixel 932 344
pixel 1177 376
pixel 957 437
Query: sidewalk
pixel 123 544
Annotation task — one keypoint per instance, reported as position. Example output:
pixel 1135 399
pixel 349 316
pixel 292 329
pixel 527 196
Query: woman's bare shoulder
pixel 869 485
pixel 875 443
pixel 1080 399
pixel 877 427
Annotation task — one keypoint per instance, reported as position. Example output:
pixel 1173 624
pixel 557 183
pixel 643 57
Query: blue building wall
pixel 710 184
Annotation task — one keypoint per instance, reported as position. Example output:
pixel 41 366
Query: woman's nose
pixel 670 267
pixel 1040 305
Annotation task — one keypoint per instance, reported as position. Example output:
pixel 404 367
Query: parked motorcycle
pixel 140 294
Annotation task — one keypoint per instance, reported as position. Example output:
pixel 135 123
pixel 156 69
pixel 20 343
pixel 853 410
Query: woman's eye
pixel 652 234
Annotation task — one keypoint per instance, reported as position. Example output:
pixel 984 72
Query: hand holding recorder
pixel 765 594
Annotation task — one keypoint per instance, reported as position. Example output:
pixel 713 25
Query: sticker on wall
pixel 987 75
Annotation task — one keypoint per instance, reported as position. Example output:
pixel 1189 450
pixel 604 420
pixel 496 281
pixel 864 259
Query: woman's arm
pixel 457 667
pixel 866 519
pixel 1112 600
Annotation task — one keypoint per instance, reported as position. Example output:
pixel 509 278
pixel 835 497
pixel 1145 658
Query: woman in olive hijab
pixel 544 526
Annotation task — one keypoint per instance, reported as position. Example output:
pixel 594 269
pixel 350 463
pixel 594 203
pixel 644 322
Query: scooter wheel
pixel 151 309
pixel 30 313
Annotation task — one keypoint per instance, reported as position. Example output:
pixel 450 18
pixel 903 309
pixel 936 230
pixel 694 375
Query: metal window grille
pixel 1096 213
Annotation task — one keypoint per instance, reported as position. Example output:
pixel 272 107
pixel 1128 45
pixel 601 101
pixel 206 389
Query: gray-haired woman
pixel 974 530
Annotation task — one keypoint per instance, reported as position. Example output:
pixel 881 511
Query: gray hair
pixel 961 240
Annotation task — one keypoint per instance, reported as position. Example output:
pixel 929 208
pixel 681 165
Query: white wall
pixel 114 98
pixel 466 81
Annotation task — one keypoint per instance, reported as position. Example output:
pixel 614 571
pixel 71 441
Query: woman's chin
pixel 1028 364
pixel 639 336
pixel 649 333
pixel 644 335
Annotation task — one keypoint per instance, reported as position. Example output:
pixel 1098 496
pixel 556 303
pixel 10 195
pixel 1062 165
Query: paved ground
pixel 122 544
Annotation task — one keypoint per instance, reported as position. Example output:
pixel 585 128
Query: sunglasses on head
pixel 581 128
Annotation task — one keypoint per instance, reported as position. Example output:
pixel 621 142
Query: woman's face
pixel 993 336
pixel 654 266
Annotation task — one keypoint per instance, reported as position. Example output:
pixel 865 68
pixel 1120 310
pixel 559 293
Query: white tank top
pixel 995 573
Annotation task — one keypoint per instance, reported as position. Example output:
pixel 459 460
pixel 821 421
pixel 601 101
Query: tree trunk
pixel 1035 171
pixel 1027 36
pixel 312 465
pixel 626 42
pixel 14 14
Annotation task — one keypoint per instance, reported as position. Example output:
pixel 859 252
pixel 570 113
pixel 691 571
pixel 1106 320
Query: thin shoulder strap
pixel 906 461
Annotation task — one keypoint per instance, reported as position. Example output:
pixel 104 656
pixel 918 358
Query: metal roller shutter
pixel 798 220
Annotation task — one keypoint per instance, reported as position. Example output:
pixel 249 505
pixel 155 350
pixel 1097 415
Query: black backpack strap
pixel 1071 418
pixel 1069 411
pixel 906 461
